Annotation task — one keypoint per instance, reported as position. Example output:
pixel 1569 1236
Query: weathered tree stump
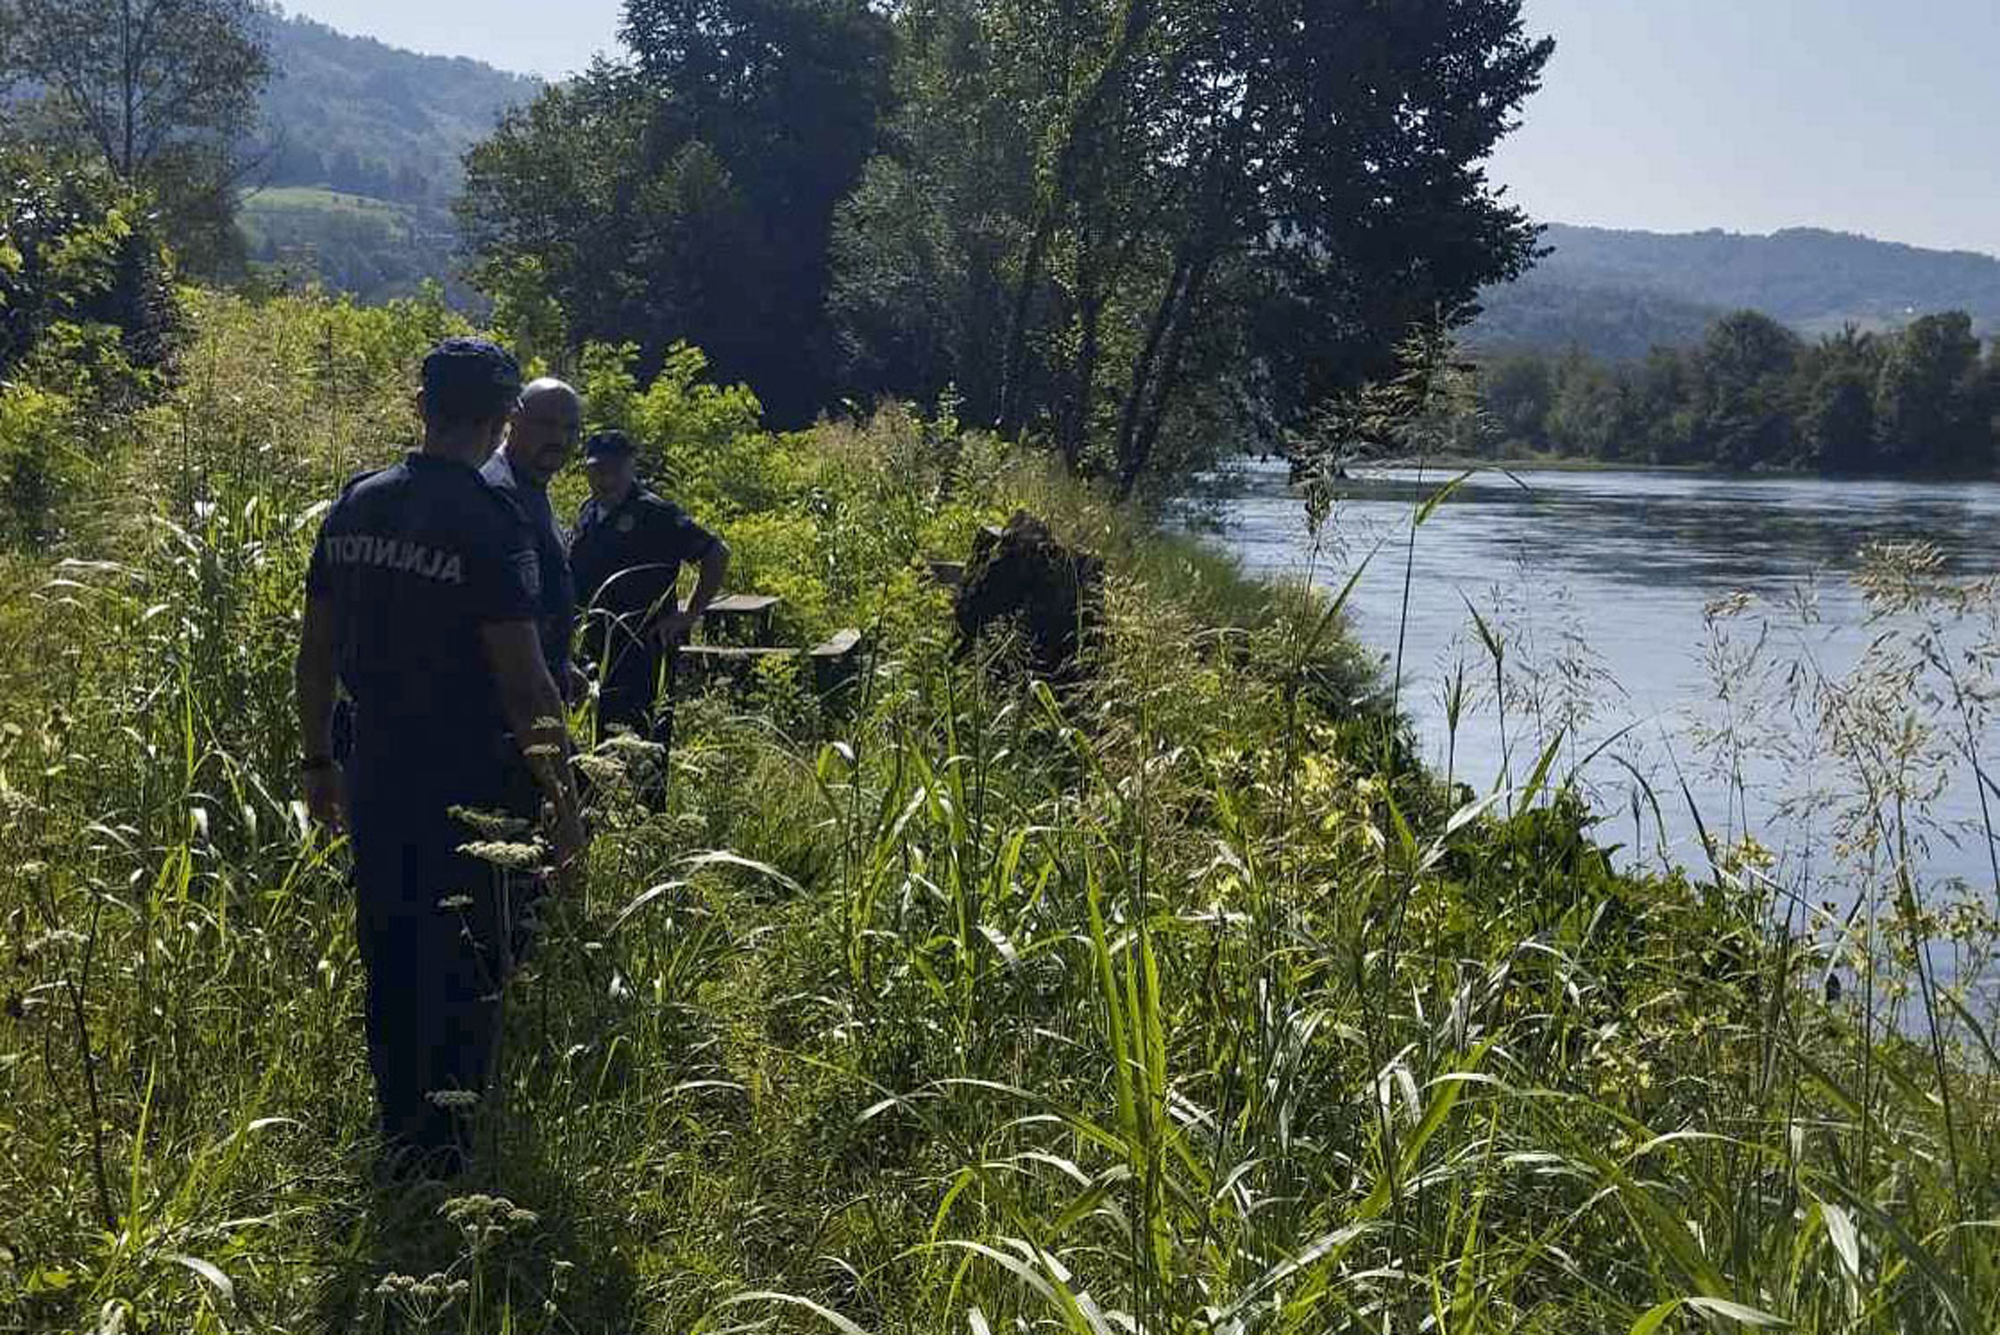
pixel 1021 578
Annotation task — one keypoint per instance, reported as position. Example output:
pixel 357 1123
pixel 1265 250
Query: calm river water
pixel 1601 586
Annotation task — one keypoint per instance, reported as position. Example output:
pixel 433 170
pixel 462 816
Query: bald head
pixel 547 390
pixel 543 430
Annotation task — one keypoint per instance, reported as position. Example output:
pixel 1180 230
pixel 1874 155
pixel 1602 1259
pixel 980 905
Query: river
pixel 1671 628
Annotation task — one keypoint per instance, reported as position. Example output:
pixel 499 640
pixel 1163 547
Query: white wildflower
pixel 492 824
pixel 502 854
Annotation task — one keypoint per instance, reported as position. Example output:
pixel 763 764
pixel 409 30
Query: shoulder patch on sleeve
pixel 529 571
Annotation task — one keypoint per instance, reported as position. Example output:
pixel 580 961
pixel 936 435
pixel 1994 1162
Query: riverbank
pixel 1181 999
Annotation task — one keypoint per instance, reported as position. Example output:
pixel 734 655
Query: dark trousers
pixel 437 932
pixel 636 692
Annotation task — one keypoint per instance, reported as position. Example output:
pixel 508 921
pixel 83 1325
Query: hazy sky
pixel 1665 114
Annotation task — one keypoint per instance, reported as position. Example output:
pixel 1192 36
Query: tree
pixel 1368 125
pixel 1516 393
pixel 1746 365
pixel 688 193
pixel 975 83
pixel 1588 414
pixel 1662 408
pixel 1752 394
pixel 1218 214
pixel 1933 402
pixel 1140 227
pixel 161 91
pixel 1839 378
pixel 74 249
pixel 894 287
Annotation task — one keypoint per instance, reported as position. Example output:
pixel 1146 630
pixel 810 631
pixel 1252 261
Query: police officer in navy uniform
pixel 626 553
pixel 421 602
pixel 540 436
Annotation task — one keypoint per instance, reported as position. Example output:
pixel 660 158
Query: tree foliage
pixel 687 193
pixel 76 249
pixel 1139 227
pixel 87 319
pixel 1754 395
pixel 162 92
pixel 1209 215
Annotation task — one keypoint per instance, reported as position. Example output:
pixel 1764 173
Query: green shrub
pixel 37 428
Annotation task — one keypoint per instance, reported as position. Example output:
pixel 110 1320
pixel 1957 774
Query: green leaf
pixel 1840 1231
pixel 640 901
pixel 1948 1287
pixel 209 1271
pixel 720 857
pixel 1439 496
pixel 1114 1017
pixel 826 1314
pixel 1496 648
pixel 1541 774
pixel 1653 1318
pixel 1447 1088
pixel 1749 1316
pixel 1333 608
pixel 1722 1307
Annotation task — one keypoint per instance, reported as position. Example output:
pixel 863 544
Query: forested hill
pixel 361 149
pixel 1618 293
pixel 357 116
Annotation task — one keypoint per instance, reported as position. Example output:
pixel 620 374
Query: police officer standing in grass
pixel 544 429
pixel 626 554
pixel 422 602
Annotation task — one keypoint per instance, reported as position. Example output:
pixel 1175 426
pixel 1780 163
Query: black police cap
pixel 470 379
pixel 608 445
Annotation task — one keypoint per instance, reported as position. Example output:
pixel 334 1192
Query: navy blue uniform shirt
pixel 627 560
pixel 416 559
pixel 556 619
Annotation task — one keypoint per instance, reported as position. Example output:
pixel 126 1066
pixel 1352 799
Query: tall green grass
pixel 1179 1000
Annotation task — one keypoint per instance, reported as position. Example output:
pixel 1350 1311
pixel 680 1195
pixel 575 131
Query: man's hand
pixel 675 627
pixel 326 796
pixel 319 779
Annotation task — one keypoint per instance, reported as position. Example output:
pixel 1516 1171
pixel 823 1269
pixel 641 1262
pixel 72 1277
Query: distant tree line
pixel 374 250
pixel 295 162
pixel 1140 229
pixel 1753 394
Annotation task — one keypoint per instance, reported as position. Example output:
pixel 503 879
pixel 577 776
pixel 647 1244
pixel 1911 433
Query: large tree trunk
pixel 1156 374
pixel 1132 465
pixel 1014 365
pixel 1090 288
pixel 1142 370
